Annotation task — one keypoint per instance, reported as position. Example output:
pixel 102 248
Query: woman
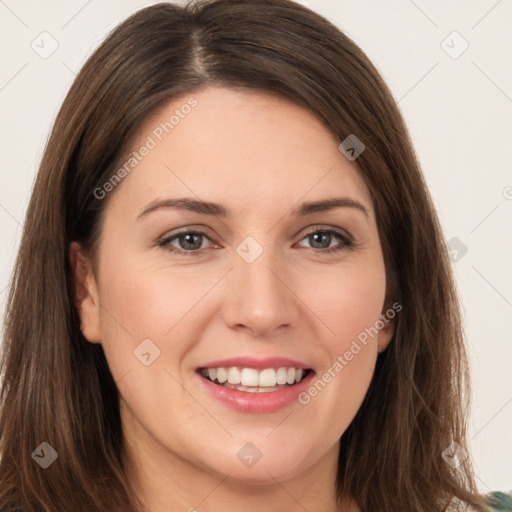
pixel 232 290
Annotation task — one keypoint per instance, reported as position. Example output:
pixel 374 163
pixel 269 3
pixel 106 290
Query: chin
pixel 248 465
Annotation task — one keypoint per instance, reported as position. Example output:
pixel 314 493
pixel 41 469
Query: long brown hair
pixel 57 387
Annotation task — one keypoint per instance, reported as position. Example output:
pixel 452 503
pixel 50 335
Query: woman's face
pixel 261 282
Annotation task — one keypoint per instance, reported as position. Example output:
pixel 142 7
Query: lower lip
pixel 244 401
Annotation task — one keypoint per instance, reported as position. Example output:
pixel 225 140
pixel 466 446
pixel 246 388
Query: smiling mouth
pixel 252 380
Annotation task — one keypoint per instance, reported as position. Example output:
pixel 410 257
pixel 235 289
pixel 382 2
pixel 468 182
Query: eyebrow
pixel 218 210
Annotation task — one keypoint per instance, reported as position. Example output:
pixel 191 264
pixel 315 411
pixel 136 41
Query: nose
pixel 260 297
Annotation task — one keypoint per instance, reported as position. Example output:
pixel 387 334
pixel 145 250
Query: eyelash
pixel 347 243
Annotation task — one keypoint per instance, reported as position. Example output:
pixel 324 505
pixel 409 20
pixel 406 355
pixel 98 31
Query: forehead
pixel 244 148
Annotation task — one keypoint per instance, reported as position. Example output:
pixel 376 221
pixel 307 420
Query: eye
pixel 320 240
pixel 189 242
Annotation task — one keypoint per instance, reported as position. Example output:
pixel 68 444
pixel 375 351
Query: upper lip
pixel 257 363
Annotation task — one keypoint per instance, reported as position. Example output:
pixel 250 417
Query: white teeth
pixel 222 375
pixel 233 375
pixel 281 375
pixel 251 379
pixel 267 378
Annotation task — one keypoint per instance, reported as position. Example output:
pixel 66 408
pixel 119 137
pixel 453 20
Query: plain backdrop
pixel 449 66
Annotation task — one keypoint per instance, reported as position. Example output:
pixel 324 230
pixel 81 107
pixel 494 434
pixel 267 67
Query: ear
pixel 86 293
pixel 388 318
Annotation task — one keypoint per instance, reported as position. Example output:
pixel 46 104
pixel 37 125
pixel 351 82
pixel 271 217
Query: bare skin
pixel 260 157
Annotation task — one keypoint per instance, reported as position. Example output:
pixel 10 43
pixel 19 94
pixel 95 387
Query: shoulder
pixel 496 501
pixel 500 501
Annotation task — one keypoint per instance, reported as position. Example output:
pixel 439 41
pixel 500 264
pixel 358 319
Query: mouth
pixel 253 380
pixel 253 385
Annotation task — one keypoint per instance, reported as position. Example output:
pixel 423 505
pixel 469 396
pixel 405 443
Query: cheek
pixel 348 301
pixel 148 293
pixel 141 303
pixel 349 304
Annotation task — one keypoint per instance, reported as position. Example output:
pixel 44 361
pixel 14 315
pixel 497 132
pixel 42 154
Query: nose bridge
pixel 260 300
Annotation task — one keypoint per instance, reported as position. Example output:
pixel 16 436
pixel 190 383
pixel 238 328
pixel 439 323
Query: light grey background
pixel 459 111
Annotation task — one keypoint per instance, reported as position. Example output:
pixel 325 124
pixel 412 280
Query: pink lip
pixel 244 401
pixel 258 364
